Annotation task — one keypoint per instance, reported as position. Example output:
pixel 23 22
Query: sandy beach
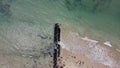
pixel 83 52
pixel 90 33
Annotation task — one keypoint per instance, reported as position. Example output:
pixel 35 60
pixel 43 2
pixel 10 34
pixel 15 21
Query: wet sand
pixel 77 60
pixel 82 52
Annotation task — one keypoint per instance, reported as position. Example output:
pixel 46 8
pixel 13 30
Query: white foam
pixel 118 50
pixel 89 40
pixel 62 44
pixel 100 55
pixel 30 56
pixel 24 55
pixel 108 43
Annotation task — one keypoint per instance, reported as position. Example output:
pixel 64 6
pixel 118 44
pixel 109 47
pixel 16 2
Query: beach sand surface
pixel 82 52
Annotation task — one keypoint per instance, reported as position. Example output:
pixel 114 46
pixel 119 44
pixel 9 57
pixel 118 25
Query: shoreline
pixel 91 48
pixel 108 40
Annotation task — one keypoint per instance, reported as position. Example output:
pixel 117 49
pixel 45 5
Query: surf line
pixel 56 53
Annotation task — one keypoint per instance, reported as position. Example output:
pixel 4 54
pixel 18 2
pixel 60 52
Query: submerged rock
pixel 5 8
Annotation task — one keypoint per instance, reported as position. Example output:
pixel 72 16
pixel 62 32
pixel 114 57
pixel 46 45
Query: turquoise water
pixel 100 18
pixel 22 21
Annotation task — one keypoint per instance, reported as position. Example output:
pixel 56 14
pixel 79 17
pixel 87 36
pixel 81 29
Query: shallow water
pixel 26 26
pixel 102 20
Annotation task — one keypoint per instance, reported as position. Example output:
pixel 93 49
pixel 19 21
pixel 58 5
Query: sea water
pixel 26 26
pixel 99 19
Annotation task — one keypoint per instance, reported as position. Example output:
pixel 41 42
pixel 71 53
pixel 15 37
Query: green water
pixel 101 18
pixel 22 21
